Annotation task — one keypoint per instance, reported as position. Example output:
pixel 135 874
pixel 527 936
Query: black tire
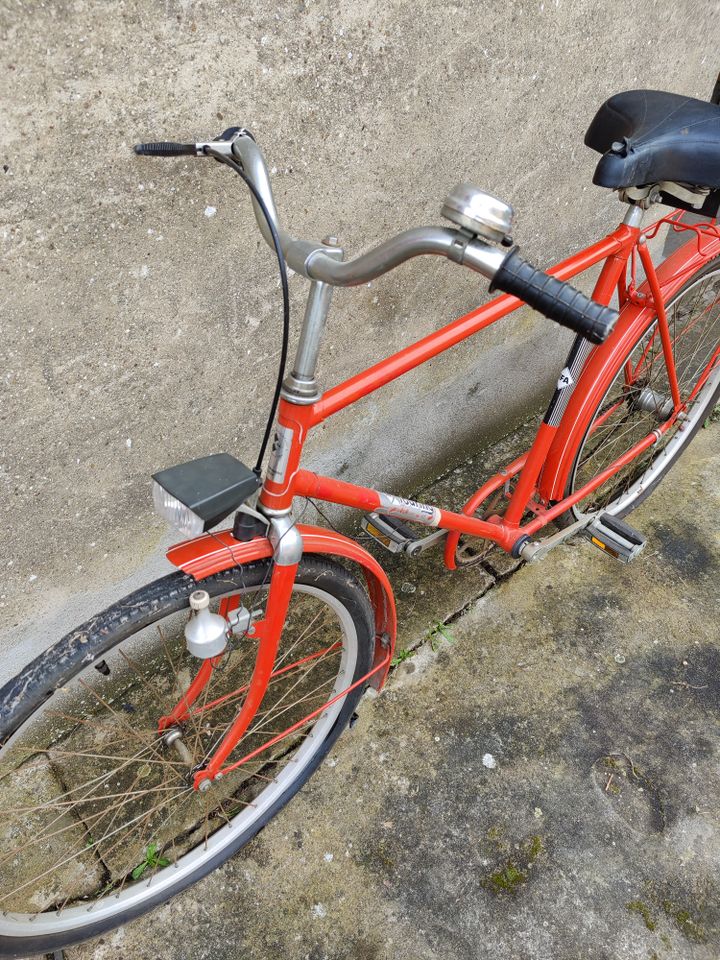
pixel 643 478
pixel 38 682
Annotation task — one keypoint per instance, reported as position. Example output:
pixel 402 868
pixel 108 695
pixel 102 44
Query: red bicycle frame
pixel 540 475
pixel 295 421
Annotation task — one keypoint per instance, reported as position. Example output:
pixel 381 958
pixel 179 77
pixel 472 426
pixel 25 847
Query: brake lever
pixel 231 134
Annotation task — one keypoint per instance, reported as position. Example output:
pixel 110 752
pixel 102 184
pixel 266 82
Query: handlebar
pixel 507 271
pixel 554 298
pixel 165 149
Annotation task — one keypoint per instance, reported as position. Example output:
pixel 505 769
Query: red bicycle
pixel 147 746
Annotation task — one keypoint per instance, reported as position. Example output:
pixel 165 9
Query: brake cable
pixel 285 295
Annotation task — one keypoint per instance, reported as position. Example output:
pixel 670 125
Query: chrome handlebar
pixel 476 214
pixel 318 262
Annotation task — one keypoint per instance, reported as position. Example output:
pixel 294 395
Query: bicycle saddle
pixel 647 137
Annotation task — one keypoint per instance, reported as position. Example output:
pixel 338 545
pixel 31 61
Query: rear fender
pixel 215 552
pixel 602 364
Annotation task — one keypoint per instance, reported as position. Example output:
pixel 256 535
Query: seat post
pixel 634 215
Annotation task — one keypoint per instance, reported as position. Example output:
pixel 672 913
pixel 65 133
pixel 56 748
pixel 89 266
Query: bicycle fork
pixel 287 549
pixel 268 632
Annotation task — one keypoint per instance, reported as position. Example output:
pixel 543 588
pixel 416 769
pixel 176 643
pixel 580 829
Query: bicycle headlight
pixel 177 514
pixel 196 496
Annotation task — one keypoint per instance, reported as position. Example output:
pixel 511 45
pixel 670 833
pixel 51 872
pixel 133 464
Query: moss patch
pixel 509 876
pixel 642 910
pixel 685 916
pixel 688 925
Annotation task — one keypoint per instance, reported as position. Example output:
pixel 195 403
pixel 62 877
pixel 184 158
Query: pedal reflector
pixel 615 537
pixel 388 533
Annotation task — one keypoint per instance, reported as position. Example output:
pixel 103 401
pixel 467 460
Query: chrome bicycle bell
pixel 205 632
pixel 479 212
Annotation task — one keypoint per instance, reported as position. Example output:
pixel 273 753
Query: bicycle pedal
pixel 615 537
pixel 388 532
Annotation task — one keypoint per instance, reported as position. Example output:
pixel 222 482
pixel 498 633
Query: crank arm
pixel 392 534
pixel 417 547
pixel 536 550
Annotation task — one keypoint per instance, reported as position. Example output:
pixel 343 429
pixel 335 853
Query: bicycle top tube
pixel 312 260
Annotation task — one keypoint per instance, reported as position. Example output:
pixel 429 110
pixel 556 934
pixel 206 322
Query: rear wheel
pixel 100 819
pixel 639 401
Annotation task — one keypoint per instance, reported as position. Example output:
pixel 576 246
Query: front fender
pixel 214 552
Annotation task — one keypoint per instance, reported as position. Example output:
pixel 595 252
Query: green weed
pixel 401 656
pixel 151 861
pixel 439 633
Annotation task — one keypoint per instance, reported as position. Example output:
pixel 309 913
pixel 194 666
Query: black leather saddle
pixel 648 137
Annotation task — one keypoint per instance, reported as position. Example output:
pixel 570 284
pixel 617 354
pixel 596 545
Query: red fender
pixel 214 552
pixel 602 364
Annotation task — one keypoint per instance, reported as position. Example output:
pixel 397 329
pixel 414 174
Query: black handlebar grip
pixel 559 301
pixel 165 149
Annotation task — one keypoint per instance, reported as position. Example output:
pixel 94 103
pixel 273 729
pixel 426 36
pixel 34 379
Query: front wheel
pixel 100 819
pixel 638 401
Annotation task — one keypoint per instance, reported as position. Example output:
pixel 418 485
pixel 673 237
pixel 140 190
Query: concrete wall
pixel 137 331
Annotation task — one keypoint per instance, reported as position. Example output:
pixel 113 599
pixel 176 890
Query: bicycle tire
pixel 26 704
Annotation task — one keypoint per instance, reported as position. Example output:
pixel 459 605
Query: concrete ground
pixel 539 780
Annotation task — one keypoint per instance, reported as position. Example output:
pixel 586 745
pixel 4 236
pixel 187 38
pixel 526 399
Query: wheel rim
pixel 630 411
pixel 106 839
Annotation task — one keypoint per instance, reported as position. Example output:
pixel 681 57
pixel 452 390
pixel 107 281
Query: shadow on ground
pixel 540 780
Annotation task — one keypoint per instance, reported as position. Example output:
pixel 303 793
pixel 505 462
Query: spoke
pixel 129 864
pixel 74 856
pixel 95 781
pixel 44 837
pixel 108 756
pixel 614 440
pixel 136 670
pixel 163 641
pixel 113 818
pixel 272 715
pixel 122 720
pixel 65 716
pixel 275 677
pixel 299 639
pixel 70 804
pixel 688 363
pixel 301 678
pixel 694 336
